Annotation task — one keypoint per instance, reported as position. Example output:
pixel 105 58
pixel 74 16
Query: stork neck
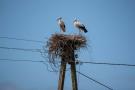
pixel 59 21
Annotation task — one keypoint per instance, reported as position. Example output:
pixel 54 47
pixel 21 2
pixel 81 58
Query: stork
pixel 61 24
pixel 80 26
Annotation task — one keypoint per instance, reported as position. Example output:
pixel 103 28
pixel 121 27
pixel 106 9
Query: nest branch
pixel 61 45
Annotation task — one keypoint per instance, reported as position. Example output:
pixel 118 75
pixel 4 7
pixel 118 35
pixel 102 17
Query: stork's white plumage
pixel 80 26
pixel 61 24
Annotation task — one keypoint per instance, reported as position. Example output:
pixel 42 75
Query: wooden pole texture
pixel 62 75
pixel 73 72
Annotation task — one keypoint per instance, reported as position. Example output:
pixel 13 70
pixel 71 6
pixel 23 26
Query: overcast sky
pixel 111 39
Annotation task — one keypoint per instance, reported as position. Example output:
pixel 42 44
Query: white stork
pixel 80 26
pixel 61 24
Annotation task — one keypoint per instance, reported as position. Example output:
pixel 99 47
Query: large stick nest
pixel 63 46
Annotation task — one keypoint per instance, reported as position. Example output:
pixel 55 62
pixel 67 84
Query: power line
pixel 116 64
pixel 22 60
pixel 95 80
pixel 102 63
pixel 44 62
pixel 28 40
pixel 21 49
pixel 39 50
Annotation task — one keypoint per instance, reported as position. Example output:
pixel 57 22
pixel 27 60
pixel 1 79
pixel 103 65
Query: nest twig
pixel 62 46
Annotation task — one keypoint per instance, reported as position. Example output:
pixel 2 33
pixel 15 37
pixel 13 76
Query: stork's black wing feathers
pixel 64 26
pixel 82 27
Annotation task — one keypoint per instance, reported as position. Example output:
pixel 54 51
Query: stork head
pixel 59 18
pixel 75 20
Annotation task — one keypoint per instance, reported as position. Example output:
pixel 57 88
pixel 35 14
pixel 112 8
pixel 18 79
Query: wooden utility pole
pixel 73 72
pixel 63 71
pixel 64 46
pixel 74 77
pixel 62 75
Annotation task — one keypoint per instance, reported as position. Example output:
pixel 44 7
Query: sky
pixel 111 39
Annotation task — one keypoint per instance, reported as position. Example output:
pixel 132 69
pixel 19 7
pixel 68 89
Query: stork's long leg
pixel 79 32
